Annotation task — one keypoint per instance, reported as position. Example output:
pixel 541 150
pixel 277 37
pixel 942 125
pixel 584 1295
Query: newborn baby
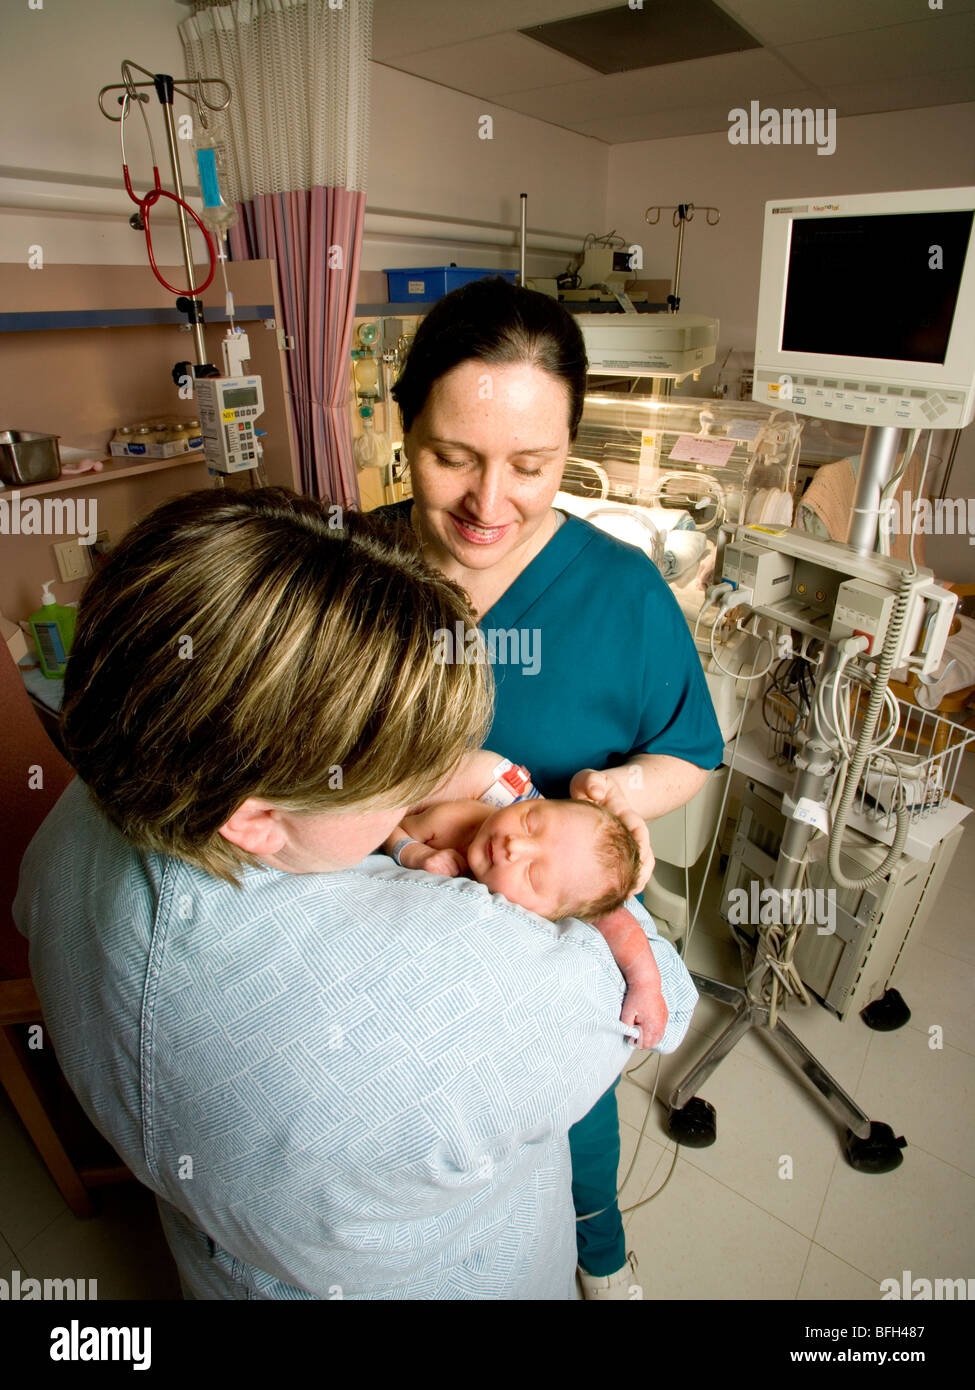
pixel 557 858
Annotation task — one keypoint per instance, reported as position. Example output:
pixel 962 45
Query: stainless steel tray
pixel 26 457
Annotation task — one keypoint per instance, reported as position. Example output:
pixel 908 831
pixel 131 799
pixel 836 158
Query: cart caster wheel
pixel 694 1124
pixel 887 1013
pixel 880 1153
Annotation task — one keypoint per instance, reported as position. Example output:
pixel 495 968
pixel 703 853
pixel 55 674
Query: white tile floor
pixel 731 1226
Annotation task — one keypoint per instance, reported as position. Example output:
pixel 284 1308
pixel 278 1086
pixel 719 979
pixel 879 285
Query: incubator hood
pixel 723 462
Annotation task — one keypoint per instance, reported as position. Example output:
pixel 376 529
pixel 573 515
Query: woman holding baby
pixel 615 708
pixel 342 1078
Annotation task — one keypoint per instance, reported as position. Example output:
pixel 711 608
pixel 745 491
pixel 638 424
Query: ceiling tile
pixel 729 77
pixel 778 22
pixel 905 94
pixel 402 27
pixel 492 66
pixel 706 118
pixel 938 44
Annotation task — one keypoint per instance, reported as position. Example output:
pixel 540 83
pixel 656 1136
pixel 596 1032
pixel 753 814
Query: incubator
pixel 722 462
pixel 675 476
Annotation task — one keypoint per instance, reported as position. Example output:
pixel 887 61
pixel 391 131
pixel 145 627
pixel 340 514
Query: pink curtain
pixel 315 236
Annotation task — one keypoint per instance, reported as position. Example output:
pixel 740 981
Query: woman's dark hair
pixel 501 324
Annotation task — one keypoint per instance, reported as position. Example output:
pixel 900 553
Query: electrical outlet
pixel 73 560
pixel 99 547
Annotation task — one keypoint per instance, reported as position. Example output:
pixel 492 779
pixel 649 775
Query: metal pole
pixel 680 251
pixel 164 87
pixel 877 463
pixel 524 210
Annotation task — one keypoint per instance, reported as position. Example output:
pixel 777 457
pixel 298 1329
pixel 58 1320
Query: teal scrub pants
pixel 595 1147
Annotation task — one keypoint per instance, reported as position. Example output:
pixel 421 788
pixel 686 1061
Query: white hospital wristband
pixel 399 846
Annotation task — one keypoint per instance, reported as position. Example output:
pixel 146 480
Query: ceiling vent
pixel 624 40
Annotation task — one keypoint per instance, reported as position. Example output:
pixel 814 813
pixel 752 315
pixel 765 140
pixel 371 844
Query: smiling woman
pixel 491 396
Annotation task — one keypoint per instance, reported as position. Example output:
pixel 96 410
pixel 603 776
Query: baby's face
pixel 540 854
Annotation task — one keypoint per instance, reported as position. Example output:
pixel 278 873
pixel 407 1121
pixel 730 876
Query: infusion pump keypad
pixel 860 403
pixel 239 435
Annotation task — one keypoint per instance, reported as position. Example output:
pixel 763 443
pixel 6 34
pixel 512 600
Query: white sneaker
pixel 622 1286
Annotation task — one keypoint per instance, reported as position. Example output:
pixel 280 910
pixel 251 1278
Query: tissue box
pixel 14 638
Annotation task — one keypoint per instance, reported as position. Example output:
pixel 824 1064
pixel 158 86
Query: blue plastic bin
pixel 427 283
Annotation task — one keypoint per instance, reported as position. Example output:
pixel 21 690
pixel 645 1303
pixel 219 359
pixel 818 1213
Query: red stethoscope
pixel 150 200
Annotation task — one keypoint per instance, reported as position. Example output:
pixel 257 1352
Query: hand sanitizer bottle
pixel 53 627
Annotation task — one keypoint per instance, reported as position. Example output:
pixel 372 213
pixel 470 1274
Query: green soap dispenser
pixel 53 627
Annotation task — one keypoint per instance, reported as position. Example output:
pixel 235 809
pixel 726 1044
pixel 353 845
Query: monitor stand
pixel 870 1146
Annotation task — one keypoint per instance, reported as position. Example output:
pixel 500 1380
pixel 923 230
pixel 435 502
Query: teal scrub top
pixel 594 662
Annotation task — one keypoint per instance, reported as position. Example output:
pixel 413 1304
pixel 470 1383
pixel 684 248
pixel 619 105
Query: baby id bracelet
pixel 399 846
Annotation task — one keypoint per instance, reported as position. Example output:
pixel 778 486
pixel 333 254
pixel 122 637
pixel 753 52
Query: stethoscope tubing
pixel 150 200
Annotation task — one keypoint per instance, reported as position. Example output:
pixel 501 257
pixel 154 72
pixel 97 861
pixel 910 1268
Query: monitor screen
pixel 875 286
pixel 234 398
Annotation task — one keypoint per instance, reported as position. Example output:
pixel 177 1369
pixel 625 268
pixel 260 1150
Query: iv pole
pixel 683 213
pixel 165 86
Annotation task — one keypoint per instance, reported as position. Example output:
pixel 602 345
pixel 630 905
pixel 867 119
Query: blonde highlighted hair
pixel 245 644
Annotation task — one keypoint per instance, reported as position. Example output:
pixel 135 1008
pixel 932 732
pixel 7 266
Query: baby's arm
pixel 442 834
pixel 643 1004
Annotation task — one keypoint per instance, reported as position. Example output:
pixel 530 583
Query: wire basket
pixel 919 767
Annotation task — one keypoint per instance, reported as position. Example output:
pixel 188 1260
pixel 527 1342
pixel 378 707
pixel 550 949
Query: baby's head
pixel 558 858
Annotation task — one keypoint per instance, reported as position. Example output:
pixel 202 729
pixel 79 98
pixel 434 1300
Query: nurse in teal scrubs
pixel 594 665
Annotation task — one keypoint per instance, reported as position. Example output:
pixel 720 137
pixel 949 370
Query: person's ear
pixel 255 827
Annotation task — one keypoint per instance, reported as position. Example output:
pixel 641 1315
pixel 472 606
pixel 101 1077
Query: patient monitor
pixel 866 308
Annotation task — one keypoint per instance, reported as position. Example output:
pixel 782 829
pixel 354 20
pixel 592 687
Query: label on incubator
pixel 744 430
pixel 692 449
pixel 649 448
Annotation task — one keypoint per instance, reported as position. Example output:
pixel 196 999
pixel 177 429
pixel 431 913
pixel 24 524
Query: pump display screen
pixel 882 286
pixel 237 399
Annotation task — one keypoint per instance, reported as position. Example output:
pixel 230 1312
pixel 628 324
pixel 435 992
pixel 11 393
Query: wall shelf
pixel 122 318
pixel 112 470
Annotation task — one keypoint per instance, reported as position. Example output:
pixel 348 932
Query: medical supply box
pixel 428 283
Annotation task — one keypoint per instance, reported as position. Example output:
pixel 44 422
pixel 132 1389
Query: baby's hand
pixel 449 862
pixel 643 1008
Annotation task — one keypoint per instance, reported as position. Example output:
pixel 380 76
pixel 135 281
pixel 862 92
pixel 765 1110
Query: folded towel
pixel 683 551
pixel 667 519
